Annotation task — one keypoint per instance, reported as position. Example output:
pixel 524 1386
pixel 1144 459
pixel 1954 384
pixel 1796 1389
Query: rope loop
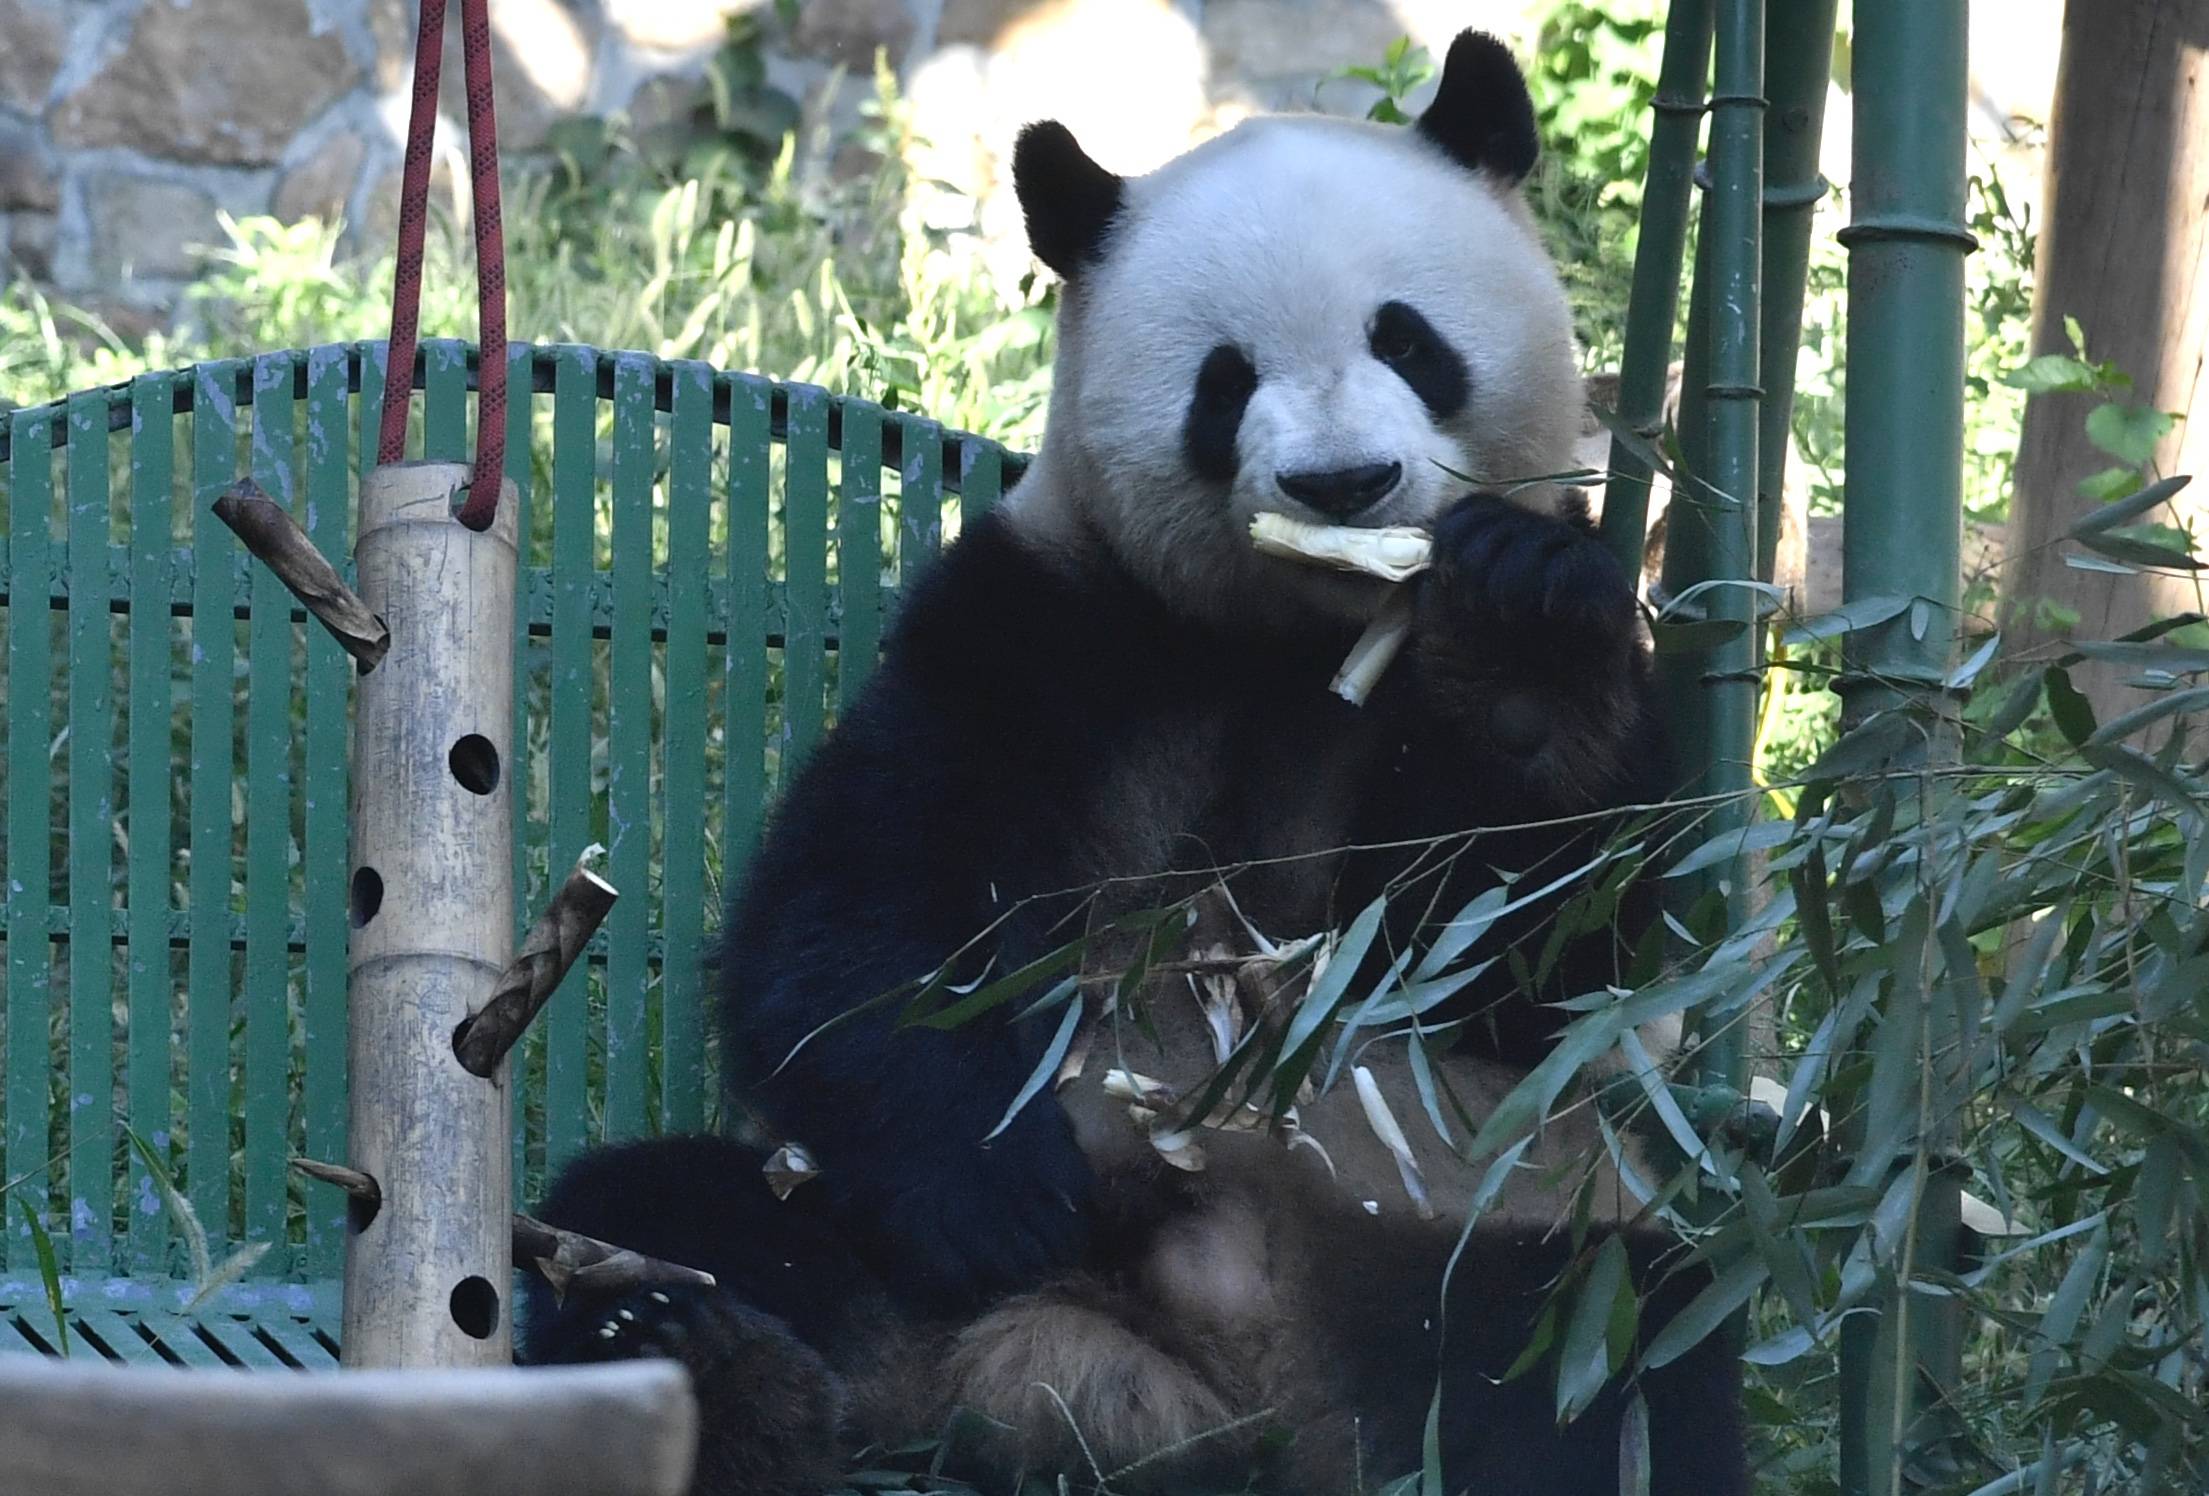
pixel 406 291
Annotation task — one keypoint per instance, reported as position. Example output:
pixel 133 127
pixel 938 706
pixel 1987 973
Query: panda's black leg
pixel 770 1410
pixel 760 1346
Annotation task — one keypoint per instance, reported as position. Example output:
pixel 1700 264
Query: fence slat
pixel 920 501
pixel 981 478
pixel 805 573
pixel 91 1108
pixel 268 819
pixel 444 399
pixel 629 749
pixel 682 902
pixel 859 550
pixel 209 963
pixel 574 479
pixel 152 470
pixel 30 823
pixel 327 794
pixel 751 405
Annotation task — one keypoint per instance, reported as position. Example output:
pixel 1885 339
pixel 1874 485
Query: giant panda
pixel 1102 697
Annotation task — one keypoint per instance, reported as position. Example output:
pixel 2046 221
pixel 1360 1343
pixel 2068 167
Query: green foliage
pixel 1403 68
pixel 1593 75
pixel 702 242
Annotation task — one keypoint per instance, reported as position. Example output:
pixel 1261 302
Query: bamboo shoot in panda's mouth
pixel 1394 554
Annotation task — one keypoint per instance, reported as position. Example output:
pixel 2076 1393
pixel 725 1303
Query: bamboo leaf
pixel 2143 772
pixel 2132 507
pixel 1865 747
pixel 1584 1364
pixel 1694 636
pixel 2061 1319
pixel 1046 1068
pixel 2155 1199
pixel 1728 1291
pixel 2170 704
pixel 2134 552
pixel 1729 846
pixel 1326 994
pixel 2074 714
pixel 49 1273
pixel 1633 1447
pixel 1964 674
pixel 2165 659
pixel 1862 613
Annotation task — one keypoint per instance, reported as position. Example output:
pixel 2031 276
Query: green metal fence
pixel 708 561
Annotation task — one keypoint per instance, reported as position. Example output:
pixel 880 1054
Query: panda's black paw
pixel 769 1408
pixel 1502 568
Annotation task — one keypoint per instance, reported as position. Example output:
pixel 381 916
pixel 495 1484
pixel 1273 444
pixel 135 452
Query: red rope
pixel 406 293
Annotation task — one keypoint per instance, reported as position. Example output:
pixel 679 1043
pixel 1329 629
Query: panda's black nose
pixel 1342 492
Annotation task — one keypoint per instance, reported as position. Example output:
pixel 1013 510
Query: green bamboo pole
pixel 1710 529
pixel 1798 66
pixel 1647 357
pixel 1904 498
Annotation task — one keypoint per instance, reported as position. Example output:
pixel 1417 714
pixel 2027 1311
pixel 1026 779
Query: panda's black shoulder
pixel 998 603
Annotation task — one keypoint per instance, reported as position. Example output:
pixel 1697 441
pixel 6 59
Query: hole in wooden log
pixel 360 1213
pixel 475 763
pixel 368 895
pixel 475 1305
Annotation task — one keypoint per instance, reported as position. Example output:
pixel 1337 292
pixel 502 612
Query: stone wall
pixel 126 126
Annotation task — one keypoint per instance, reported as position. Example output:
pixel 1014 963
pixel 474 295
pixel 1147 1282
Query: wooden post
pixel 86 1428
pixel 432 903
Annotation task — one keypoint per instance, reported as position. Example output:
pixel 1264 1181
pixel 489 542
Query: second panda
pixel 1102 696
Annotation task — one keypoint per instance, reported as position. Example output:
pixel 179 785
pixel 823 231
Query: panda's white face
pixel 1329 319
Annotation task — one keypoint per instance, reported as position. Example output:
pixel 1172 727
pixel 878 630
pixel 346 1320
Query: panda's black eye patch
pixel 1422 357
pixel 1224 386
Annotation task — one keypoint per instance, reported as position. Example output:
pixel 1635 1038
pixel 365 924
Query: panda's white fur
pixel 1281 236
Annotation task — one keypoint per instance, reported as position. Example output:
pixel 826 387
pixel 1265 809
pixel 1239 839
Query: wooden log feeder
pixel 432 906
pixel 79 1429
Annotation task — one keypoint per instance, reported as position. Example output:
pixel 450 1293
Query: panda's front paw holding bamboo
pixel 1524 632
pixel 1504 573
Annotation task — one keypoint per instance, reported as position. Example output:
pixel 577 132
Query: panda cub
pixel 1103 698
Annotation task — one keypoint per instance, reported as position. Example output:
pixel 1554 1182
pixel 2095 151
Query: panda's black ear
pixel 1482 114
pixel 1068 200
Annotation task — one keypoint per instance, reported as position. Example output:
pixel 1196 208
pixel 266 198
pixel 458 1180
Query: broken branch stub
pixel 271 534
pixel 566 1258
pixel 554 943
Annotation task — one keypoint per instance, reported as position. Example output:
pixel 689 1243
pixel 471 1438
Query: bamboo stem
pixel 1710 527
pixel 267 530
pixel 1907 239
pixel 1655 300
pixel 553 944
pixel 433 920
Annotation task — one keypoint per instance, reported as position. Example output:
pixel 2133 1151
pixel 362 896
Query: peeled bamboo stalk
pixel 1393 554
pixel 433 919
